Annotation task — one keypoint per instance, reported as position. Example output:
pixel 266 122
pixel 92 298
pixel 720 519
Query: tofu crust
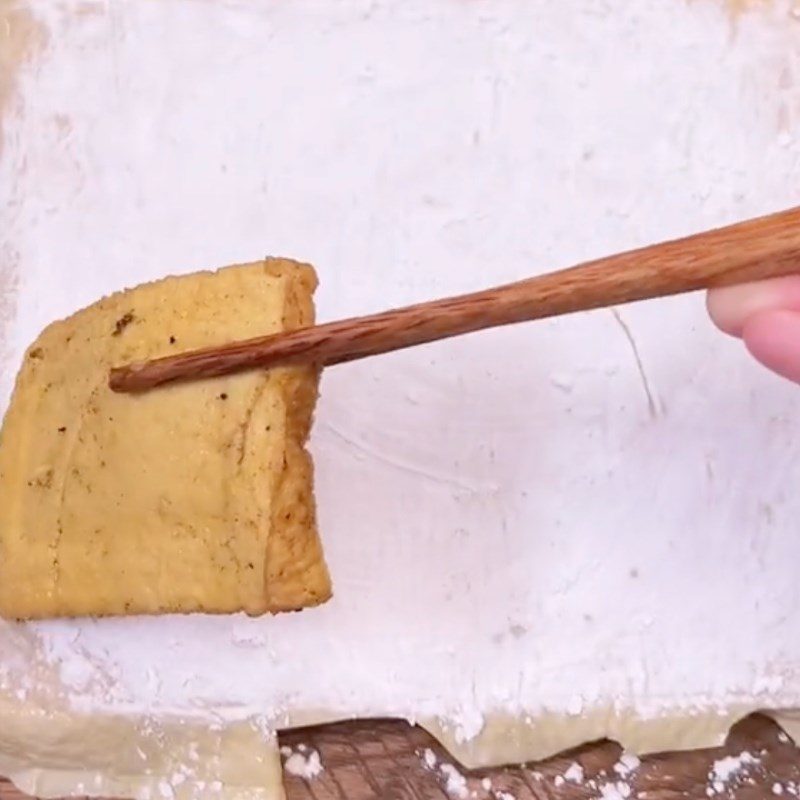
pixel 195 497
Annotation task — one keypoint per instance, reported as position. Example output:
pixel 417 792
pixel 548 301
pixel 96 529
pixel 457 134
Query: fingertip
pixel 732 307
pixel 723 307
pixel 773 337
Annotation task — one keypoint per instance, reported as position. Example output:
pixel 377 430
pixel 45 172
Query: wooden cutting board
pixel 383 759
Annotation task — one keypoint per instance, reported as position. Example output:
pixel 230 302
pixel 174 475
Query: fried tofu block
pixel 194 497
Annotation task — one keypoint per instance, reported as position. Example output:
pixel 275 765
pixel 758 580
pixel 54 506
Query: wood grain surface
pixel 384 759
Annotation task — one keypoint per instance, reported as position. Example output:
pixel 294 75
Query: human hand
pixel 766 316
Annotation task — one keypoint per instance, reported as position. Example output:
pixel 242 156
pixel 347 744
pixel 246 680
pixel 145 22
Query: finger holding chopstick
pixel 766 316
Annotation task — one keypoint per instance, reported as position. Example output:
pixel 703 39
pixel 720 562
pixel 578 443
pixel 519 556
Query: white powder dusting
pixel 562 382
pixel 559 781
pixel 768 684
pixel 304 764
pixel 505 796
pixel 574 773
pixel 486 784
pixel 468 465
pixel 247 635
pixel 575 705
pixel 615 791
pixel 467 723
pixel 429 758
pixel 729 769
pixel 627 764
pixel 777 788
pixel 455 782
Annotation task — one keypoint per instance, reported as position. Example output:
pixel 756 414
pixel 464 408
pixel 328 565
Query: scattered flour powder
pixel 303 763
pixel 429 758
pixel 574 773
pixel 615 791
pixel 729 770
pixel 627 764
pixel 455 782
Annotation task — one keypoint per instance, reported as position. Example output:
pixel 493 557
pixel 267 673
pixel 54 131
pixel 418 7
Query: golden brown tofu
pixel 191 497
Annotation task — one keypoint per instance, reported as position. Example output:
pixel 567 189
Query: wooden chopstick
pixel 753 250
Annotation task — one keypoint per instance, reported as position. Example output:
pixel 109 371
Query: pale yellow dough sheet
pixel 119 756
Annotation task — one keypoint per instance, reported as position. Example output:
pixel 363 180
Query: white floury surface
pixel 556 516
